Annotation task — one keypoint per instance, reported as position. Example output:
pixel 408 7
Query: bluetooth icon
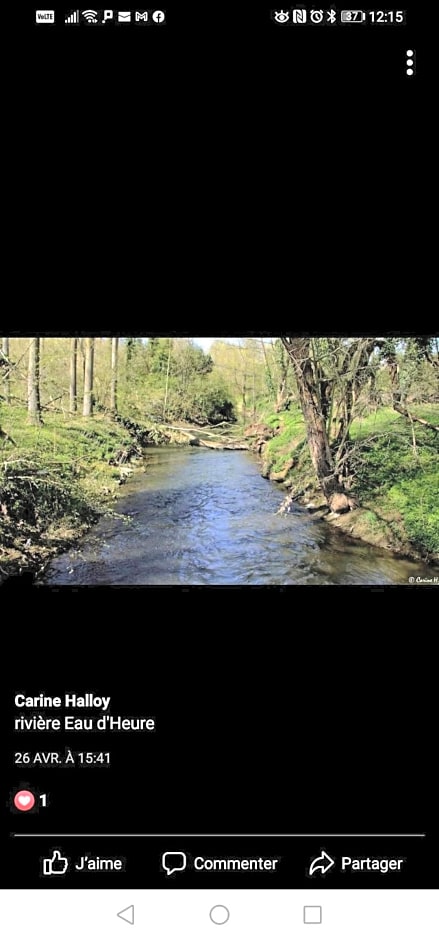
pixel 331 16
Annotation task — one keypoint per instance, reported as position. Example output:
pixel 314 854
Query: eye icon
pixel 281 16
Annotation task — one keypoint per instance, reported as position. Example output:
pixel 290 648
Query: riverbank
pixel 395 478
pixel 56 481
pixel 207 517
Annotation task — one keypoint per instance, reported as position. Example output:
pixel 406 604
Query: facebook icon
pixel 158 16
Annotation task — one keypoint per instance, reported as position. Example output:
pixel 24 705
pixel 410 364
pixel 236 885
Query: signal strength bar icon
pixel 72 17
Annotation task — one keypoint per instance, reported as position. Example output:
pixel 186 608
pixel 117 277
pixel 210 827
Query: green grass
pixel 386 419
pixel 66 439
pixel 399 479
pixel 397 485
pixel 290 432
pixel 381 421
pixel 417 500
pixel 60 473
pixel 54 479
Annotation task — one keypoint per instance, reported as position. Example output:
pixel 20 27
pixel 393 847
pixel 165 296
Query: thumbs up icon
pixel 57 865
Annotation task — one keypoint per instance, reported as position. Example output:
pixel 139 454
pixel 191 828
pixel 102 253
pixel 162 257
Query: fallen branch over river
pixel 223 445
pixel 196 437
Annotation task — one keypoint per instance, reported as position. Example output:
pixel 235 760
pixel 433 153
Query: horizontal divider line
pixel 218 835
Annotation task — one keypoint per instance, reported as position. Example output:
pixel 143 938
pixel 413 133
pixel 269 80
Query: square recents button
pixel 312 914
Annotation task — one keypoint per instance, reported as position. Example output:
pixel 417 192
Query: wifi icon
pixel 90 15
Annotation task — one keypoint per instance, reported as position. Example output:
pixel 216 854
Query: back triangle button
pixel 127 914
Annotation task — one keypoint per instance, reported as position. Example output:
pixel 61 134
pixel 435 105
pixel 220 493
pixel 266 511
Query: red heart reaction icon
pixel 24 800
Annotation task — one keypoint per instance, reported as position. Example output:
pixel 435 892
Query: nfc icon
pixel 299 16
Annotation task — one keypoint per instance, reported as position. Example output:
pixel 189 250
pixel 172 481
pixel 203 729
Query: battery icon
pixel 352 16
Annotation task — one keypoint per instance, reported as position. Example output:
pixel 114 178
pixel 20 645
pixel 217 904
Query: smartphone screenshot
pixel 218 553
pixel 217 719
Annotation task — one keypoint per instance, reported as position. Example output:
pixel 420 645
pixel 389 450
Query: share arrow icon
pixel 322 863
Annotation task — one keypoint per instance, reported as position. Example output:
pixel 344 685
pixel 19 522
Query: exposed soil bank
pixel 57 481
pixel 366 524
pixel 281 445
pixel 207 517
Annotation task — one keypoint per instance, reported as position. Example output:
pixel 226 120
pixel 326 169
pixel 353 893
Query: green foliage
pixel 173 380
pixel 287 422
pixel 203 401
pixel 57 472
pixel 157 354
pixel 417 501
pixel 184 358
pixel 70 441
pixel 290 434
pixel 389 475
pixel 395 476
pixel 34 497
pixel 384 420
pixel 269 383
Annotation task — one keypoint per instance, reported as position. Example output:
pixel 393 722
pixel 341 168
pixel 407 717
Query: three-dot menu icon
pixel 410 62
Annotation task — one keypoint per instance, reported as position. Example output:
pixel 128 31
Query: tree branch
pixel 411 417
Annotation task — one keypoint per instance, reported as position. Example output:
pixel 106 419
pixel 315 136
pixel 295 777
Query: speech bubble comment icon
pixel 173 861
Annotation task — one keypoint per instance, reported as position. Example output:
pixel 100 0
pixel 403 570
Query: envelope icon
pixel 124 17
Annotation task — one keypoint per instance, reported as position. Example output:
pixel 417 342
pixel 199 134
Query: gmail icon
pixel 124 17
pixel 141 15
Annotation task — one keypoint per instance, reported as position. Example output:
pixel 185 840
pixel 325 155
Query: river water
pixel 203 517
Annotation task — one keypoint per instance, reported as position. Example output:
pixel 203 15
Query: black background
pixel 237 44
pixel 260 728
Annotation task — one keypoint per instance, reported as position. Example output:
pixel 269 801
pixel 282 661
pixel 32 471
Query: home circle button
pixel 219 914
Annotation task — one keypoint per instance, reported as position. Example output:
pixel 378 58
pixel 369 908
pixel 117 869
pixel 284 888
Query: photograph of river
pixel 245 461
pixel 208 517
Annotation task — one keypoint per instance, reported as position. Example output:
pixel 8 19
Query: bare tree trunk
pixel 87 410
pixel 74 375
pixel 281 396
pixel 131 342
pixel 7 378
pixel 82 343
pixel 33 382
pixel 113 387
pixel 397 396
pixel 165 403
pixel 270 382
pixel 281 367
pixel 335 495
pixel 244 399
